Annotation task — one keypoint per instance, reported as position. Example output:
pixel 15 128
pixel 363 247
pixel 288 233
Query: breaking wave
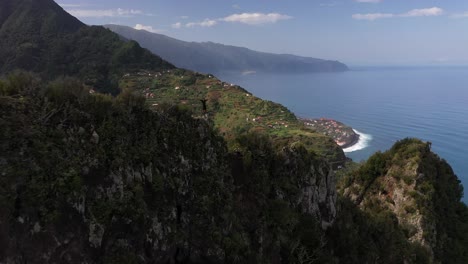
pixel 363 142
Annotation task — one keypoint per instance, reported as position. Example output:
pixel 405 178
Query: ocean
pixel 383 104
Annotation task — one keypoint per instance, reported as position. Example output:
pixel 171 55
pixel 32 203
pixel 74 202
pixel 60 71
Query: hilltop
pixel 209 57
pixel 39 36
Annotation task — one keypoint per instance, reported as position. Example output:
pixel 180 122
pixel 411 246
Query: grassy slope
pixel 233 110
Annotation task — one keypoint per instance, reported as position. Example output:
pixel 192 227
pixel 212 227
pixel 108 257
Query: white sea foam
pixel 363 142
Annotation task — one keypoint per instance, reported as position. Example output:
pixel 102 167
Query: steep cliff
pixel 89 178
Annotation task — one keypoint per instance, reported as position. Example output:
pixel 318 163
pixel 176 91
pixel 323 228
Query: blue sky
pixel 357 32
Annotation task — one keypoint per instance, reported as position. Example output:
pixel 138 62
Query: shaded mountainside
pixel 212 57
pixel 87 178
pixel 39 36
pixel 415 193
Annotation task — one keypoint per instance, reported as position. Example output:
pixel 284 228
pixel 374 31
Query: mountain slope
pixel 90 178
pixel 212 57
pixel 39 36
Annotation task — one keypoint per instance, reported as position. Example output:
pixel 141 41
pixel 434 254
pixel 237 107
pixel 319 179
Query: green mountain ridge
pixel 150 176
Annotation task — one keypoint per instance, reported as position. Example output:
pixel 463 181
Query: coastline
pixel 361 143
pixel 355 141
pixel 344 135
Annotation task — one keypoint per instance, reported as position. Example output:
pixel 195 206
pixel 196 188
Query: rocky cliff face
pixel 419 190
pixel 92 179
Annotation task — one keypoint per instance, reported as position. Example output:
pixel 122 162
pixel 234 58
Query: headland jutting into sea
pixel 343 135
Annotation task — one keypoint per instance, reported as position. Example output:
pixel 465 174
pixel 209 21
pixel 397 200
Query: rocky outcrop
pixel 418 189
pixel 396 192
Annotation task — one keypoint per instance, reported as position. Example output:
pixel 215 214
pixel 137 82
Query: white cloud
pixel 256 18
pixel 461 15
pixel 147 28
pixel 119 12
pixel 245 18
pixel 368 1
pixel 372 16
pixel 176 25
pixel 433 11
pixel 205 23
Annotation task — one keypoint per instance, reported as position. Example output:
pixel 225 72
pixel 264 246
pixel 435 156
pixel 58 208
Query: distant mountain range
pixel 212 57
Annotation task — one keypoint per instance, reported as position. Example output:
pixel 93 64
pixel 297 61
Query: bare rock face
pixel 317 184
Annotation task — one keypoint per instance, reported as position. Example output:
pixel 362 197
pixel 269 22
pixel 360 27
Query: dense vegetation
pixel 88 177
pixel 112 176
pixel 37 35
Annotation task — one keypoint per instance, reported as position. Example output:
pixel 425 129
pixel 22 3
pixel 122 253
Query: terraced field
pixel 230 108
